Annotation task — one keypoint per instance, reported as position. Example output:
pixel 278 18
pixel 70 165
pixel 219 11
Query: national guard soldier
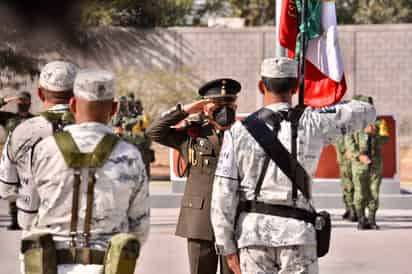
pixel 255 211
pixel 55 90
pixel 92 192
pixel 345 169
pixel 365 147
pixel 10 121
pixel 199 144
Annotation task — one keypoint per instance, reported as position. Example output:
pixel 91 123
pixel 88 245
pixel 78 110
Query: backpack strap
pixel 78 160
pixel 58 120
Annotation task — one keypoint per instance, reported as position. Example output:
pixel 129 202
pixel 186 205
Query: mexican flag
pixel 324 74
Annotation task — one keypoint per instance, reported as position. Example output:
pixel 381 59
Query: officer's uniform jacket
pixel 200 147
pixel 121 198
pixel 240 164
pixel 15 160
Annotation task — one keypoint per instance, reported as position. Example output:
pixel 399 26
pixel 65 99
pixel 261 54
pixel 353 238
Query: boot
pixel 13 214
pixel 346 214
pixel 352 215
pixel 372 220
pixel 362 222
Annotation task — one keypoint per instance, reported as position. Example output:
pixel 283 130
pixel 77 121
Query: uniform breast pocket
pixel 195 202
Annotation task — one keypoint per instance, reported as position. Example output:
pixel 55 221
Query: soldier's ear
pixel 41 94
pixel 262 88
pixel 72 104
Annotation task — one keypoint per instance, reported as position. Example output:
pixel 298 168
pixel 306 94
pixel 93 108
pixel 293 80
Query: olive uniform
pixel 367 178
pixel 199 144
pixel 10 121
pixel 345 169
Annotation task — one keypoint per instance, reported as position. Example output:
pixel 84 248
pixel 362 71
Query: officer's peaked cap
pixel 219 88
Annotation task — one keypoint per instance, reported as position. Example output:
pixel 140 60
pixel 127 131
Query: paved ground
pixel 353 252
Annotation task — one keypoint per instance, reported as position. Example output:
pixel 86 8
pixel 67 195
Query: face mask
pixel 224 116
pixel 23 108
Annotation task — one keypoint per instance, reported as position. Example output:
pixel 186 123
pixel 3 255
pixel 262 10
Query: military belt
pixel 76 256
pixel 277 210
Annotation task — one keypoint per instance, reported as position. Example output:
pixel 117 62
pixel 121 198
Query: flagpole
pixel 296 114
pixel 280 51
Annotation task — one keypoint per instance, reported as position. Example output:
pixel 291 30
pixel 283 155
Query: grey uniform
pixel 121 198
pixel 15 161
pixel 240 164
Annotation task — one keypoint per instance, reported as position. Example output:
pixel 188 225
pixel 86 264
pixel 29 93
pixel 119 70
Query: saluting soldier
pixel 10 121
pixel 199 144
pixel 367 165
pixel 55 90
pixel 79 175
pixel 255 211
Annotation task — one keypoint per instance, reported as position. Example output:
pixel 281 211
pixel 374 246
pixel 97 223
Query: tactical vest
pixel 40 254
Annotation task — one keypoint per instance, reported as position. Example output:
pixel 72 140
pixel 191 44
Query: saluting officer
pixel 199 144
pixel 55 90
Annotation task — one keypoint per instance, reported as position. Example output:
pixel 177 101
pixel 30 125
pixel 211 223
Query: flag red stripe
pixel 288 30
pixel 320 90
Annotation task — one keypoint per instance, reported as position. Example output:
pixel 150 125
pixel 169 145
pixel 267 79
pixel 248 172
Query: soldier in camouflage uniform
pixel 55 90
pixel 199 145
pixel 365 147
pixel 345 169
pixel 122 175
pixel 268 243
pixel 10 121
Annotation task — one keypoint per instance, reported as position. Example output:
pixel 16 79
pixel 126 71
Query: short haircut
pixel 279 85
pixel 61 97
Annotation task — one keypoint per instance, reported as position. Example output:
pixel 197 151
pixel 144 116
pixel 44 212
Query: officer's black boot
pixel 362 222
pixel 346 214
pixel 372 220
pixel 13 214
pixel 352 215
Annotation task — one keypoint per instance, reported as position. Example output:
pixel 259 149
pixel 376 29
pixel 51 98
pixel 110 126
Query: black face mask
pixel 224 116
pixel 23 108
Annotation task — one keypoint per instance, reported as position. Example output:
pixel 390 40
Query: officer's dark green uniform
pixel 10 121
pixel 199 144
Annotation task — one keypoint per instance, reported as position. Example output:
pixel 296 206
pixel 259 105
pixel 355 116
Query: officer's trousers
pixel 297 259
pixel 348 188
pixel 203 258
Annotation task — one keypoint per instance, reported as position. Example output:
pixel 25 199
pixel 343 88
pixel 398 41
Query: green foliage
pixel 137 13
pixel 158 89
pixel 256 12
pixel 383 12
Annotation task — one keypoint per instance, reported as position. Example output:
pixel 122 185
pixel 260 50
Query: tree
pixel 383 12
pixel 345 10
pixel 137 13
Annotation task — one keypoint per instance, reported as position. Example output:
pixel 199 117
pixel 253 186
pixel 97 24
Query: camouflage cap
pixel 94 85
pixel 281 67
pixel 58 76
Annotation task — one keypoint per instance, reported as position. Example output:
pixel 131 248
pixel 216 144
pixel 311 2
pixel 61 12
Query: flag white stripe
pixel 324 52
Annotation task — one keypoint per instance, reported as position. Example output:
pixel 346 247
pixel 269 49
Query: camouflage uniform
pixel 240 164
pixel 367 178
pixel 345 169
pixel 10 121
pixel 121 175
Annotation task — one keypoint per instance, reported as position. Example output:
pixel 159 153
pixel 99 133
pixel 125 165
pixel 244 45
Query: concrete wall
pixel 378 59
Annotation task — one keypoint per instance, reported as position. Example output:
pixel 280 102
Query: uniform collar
pixel 90 126
pixel 59 108
pixel 278 106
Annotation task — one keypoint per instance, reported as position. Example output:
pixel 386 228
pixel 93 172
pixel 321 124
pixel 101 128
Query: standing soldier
pixel 55 90
pixel 367 165
pixel 85 175
pixel 255 211
pixel 199 144
pixel 10 121
pixel 345 169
